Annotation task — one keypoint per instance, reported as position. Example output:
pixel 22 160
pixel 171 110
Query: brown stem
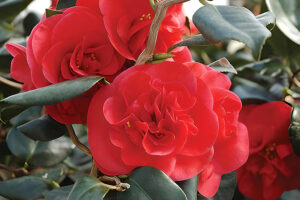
pixel 76 141
pixel 94 170
pixel 10 83
pixel 294 79
pixel 160 12
pixel 110 180
pixel 16 171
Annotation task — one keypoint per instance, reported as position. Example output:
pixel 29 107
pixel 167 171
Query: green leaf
pixel 5 58
pixel 264 80
pixel 294 129
pixel 266 19
pixel 287 17
pixel 59 193
pixel 195 40
pixel 29 22
pixel 50 12
pixel 290 195
pixel 20 145
pixel 24 188
pixel 53 94
pixel 9 111
pixel 247 89
pixel 189 187
pixel 221 23
pixel 149 183
pixel 43 129
pixel 11 8
pixel 47 154
pixel 65 4
pixel 88 188
pixel 281 46
pixel 27 115
pixel 5 32
pixel 39 154
pixel 56 174
pixel 223 65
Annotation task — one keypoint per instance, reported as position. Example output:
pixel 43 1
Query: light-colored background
pixel 190 7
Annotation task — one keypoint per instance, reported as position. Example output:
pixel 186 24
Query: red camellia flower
pixel 128 23
pixel 232 145
pixel 20 70
pixel 67 46
pixel 153 115
pixel 272 166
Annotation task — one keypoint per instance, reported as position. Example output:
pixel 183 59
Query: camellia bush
pixel 132 100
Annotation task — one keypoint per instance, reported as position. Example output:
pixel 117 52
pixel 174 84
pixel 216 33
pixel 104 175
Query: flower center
pixel 92 56
pixel 145 17
pixel 270 151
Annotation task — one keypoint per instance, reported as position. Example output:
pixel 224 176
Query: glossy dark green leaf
pixel 281 45
pixel 266 71
pixel 287 17
pixel 38 154
pixel 55 93
pixel 223 65
pixel 246 89
pixel 5 32
pixel 201 39
pixel 149 183
pixel 266 19
pixel 11 8
pixel 43 129
pixel 195 40
pixel 264 80
pixel 88 188
pixel 231 23
pixel 9 111
pixel 29 22
pixel 189 187
pixel 27 115
pixel 290 195
pixel 19 145
pixel 294 129
pixel 24 188
pixel 59 193
pixel 47 154
pixel 65 4
pixel 5 58
pixel 56 174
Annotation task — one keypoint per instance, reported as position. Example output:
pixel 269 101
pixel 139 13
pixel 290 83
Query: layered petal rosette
pixel 153 115
pixel 68 46
pixel 272 167
pixel 232 145
pixel 128 23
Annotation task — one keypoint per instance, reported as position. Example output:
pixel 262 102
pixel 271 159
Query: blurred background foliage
pixel 48 167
